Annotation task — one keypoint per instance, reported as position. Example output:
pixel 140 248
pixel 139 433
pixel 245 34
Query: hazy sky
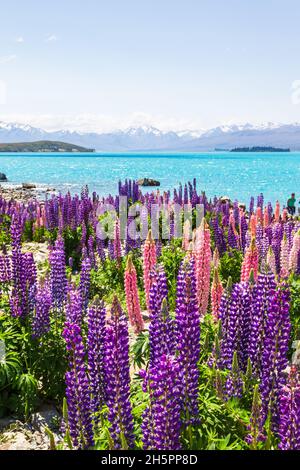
pixel 98 65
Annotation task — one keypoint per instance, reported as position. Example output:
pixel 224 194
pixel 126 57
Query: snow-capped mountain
pixel 146 138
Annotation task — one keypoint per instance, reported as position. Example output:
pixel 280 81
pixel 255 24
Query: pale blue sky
pixel 96 64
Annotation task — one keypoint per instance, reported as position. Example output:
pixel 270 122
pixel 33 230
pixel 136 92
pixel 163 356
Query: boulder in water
pixel 148 182
pixel 3 177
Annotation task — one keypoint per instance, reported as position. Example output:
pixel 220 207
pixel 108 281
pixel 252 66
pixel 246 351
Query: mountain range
pixel 146 138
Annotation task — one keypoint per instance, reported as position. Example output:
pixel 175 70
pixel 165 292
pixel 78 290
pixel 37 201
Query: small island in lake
pixel 43 146
pixel 259 149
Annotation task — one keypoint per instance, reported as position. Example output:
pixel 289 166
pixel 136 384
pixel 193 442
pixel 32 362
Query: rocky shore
pixel 24 193
pixel 32 435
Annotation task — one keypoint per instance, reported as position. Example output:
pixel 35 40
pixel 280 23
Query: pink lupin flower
pixel 216 259
pixel 132 297
pixel 271 260
pixel 117 240
pixel 149 261
pixel 259 215
pixel 266 217
pixel 277 211
pixel 186 235
pixel 216 294
pixel 284 215
pixel 284 257
pixel 253 223
pixel 250 262
pixel 202 256
pixel 294 254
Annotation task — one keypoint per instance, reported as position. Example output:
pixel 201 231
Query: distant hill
pixel 259 149
pixel 151 139
pixel 42 146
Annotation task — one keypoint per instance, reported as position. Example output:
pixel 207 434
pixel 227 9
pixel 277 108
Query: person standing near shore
pixel 291 204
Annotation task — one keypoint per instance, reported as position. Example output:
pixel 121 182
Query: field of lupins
pixel 170 343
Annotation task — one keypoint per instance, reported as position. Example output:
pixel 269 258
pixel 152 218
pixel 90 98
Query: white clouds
pixel 51 38
pixel 7 58
pixel 19 39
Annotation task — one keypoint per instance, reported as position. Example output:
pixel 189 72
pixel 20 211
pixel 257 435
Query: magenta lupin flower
pixel 202 257
pixel 132 297
pixel 149 261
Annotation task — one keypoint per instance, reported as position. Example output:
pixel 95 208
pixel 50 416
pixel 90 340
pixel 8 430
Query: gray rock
pixel 6 422
pixel 44 418
pixel 148 182
pixel 28 186
pixel 3 177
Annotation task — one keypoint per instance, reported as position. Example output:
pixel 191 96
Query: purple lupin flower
pixel 77 389
pixel 232 239
pixel 161 328
pixel 260 201
pixel 275 349
pixel 100 244
pixel 231 317
pixel 265 290
pixel 117 378
pixel 29 276
pixel 58 278
pixel 249 292
pixel 243 230
pixel 96 353
pixel 289 412
pixel 41 318
pixel 219 237
pixel 17 295
pixel 110 247
pixel 161 420
pixel 188 339
pixel 251 205
pixel 74 307
pixel 277 234
pixel 5 269
pixel 85 281
pixel 117 240
pixel 234 382
pixel 256 431
pixel 91 252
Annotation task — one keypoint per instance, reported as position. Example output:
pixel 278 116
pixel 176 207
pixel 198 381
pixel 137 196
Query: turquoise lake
pixel 238 175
